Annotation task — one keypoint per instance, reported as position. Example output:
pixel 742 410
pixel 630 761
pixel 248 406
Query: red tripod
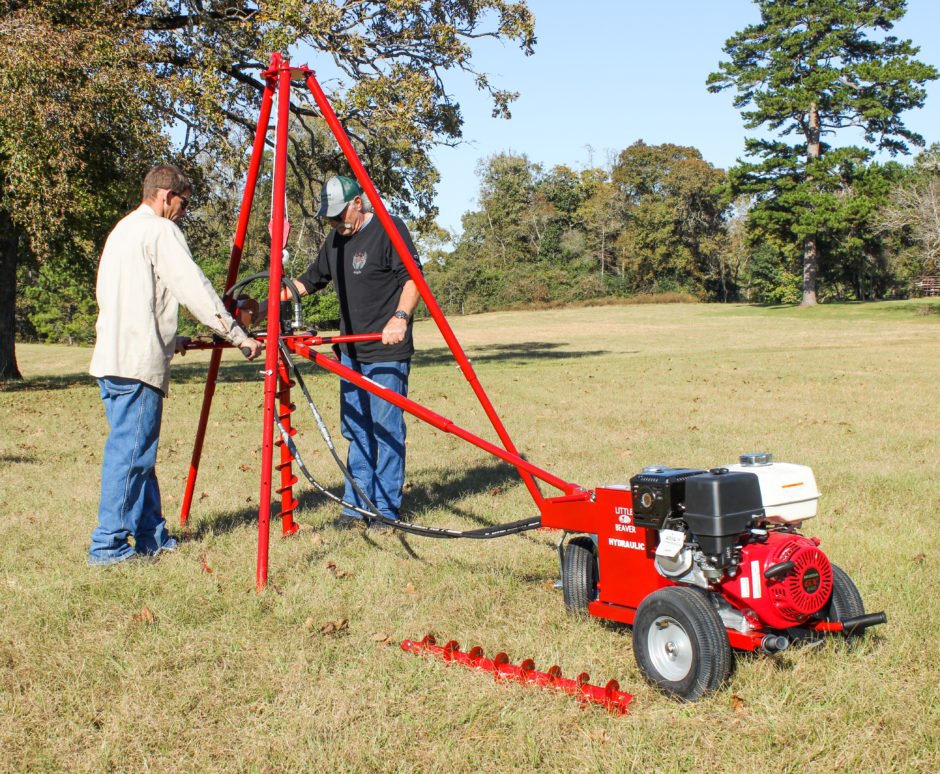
pixel 277 383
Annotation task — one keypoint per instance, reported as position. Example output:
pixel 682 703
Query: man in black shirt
pixel 376 293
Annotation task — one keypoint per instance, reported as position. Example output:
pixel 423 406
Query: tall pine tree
pixel 808 70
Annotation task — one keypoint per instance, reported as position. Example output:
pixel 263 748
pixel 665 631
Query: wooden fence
pixel 929 286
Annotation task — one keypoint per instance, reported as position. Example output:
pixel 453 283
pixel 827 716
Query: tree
pixel 674 207
pixel 508 220
pixel 733 261
pixel 809 69
pixel 601 216
pixel 912 214
pixel 90 90
pixel 558 195
pixel 837 212
pixel 501 239
pixel 526 244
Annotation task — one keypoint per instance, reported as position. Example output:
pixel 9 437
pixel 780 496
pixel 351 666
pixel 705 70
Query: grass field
pixel 180 666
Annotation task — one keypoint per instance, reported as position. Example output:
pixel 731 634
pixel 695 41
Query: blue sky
pixel 609 72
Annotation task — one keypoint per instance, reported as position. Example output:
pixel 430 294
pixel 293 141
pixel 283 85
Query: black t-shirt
pixel 368 276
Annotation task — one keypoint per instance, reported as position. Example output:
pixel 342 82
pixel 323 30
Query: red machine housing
pixel 627 570
pixel 625 551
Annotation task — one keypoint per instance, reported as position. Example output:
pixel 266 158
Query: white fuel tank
pixel 789 491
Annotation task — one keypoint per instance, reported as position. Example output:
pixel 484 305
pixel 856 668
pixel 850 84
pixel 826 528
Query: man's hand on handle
pixel 181 343
pixel 394 330
pixel 251 348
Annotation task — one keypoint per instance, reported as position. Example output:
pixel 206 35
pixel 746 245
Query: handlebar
pixel 307 340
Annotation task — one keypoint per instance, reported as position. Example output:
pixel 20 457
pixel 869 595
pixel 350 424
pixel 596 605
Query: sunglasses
pixel 184 200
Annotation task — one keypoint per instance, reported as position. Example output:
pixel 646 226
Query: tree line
pixel 91 94
pixel 660 219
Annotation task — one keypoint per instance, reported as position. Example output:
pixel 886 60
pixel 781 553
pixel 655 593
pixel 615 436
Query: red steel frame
pixel 278 80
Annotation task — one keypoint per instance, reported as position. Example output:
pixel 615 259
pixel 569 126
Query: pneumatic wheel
pixel 680 643
pixel 579 575
pixel 845 602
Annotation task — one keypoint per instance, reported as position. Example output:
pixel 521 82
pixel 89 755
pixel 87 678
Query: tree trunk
pixel 810 267
pixel 9 252
pixel 810 247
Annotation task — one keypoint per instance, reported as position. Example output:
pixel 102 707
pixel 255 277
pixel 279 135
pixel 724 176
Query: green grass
pixel 169 667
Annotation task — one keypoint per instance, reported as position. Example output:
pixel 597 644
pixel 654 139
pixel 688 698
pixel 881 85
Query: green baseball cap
pixel 336 193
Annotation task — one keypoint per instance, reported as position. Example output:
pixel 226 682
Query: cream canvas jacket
pixel 146 271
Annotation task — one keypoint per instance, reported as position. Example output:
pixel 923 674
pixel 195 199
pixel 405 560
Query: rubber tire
pixel 710 651
pixel 579 575
pixel 845 602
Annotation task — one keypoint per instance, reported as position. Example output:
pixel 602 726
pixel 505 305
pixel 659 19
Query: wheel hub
pixel 670 648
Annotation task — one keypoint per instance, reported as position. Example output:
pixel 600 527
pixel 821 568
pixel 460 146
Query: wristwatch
pixel 401 314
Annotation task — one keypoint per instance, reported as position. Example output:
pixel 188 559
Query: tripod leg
pixel 272 352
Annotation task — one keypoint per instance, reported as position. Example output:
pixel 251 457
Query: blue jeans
pixel 375 430
pixel 130 495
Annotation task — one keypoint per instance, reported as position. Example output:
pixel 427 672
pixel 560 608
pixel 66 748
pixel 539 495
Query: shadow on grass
pixel 518 353
pixel 490 477
pixel 13 459
pixel 231 372
pixel 48 383
pixel 237 372
pixel 222 523
pixel 180 374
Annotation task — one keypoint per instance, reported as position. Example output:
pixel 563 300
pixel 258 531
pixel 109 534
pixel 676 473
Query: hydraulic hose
pixel 372 514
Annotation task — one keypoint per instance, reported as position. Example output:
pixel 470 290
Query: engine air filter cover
pixel 721 504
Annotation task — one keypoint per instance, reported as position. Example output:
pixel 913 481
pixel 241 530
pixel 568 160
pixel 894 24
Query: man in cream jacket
pixel 146 271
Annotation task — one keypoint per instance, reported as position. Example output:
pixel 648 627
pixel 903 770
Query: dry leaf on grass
pixel 308 624
pixel 337 573
pixel 145 616
pixel 381 638
pixel 410 588
pixel 737 703
pixel 334 627
pixel 244 467
pixel 920 558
